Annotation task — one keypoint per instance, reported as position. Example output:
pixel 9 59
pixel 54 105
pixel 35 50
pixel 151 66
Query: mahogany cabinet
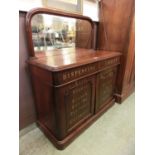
pixel 72 91
pixel 72 86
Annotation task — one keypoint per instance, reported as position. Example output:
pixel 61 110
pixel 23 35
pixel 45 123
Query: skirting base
pixel 68 139
pixel 119 98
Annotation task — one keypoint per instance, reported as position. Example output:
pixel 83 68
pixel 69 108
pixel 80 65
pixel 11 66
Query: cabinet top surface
pixel 70 57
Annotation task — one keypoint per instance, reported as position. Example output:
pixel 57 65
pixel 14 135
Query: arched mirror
pixel 51 30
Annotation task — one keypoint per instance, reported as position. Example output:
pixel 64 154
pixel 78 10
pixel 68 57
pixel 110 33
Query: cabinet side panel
pixel 43 91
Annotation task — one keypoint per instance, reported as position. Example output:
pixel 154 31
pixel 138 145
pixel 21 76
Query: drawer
pixel 74 73
pixel 85 70
pixel 108 62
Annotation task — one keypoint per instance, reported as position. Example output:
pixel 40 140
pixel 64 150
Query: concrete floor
pixel 111 134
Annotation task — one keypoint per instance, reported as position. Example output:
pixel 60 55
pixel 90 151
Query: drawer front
pixel 78 72
pixel 105 84
pixel 77 102
pixel 108 62
pixel 74 73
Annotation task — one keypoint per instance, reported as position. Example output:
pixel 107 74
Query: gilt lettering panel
pixel 78 72
pixel 74 73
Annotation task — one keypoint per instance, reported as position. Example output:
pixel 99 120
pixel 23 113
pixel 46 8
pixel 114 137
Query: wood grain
pixel 116 32
pixel 65 93
pixel 27 114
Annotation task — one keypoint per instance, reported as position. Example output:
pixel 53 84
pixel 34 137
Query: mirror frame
pixel 35 11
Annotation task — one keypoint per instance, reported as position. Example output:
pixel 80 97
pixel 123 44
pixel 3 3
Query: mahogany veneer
pixel 72 88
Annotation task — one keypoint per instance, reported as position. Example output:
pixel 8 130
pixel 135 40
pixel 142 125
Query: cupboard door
pixel 105 84
pixel 75 103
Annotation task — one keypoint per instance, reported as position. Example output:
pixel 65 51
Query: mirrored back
pixel 50 29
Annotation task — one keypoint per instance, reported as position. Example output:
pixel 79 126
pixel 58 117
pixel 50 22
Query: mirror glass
pixel 56 32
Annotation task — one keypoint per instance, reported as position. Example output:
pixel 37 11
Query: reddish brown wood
pixel 114 23
pixel 69 58
pixel 116 18
pixel 27 114
pixel 105 85
pixel 72 86
pixel 65 95
pixel 83 35
pixel 126 86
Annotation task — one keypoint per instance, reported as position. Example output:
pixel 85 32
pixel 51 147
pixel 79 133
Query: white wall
pixel 26 5
pixel 90 9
